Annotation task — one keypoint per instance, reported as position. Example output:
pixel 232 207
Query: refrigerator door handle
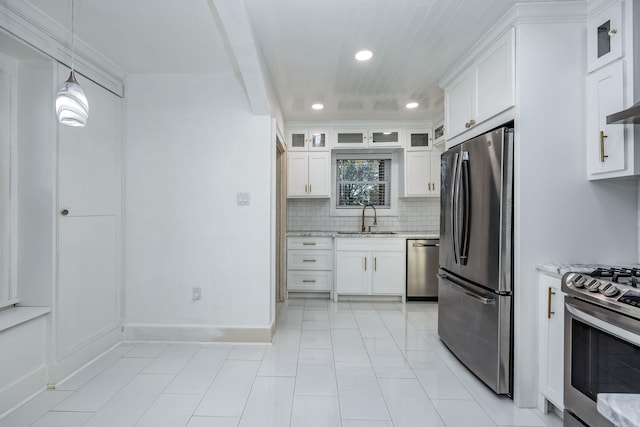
pixel 455 190
pixel 468 292
pixel 466 210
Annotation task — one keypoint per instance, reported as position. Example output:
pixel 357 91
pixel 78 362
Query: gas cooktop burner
pixel 616 288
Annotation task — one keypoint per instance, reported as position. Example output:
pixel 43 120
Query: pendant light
pixel 72 107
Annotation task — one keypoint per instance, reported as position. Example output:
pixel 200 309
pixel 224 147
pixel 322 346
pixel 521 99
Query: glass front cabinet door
pixel 308 140
pixel 418 140
pixel 604 37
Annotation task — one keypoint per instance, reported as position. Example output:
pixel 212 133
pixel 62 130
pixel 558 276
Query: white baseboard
pixel 196 333
pixel 21 389
pixel 63 368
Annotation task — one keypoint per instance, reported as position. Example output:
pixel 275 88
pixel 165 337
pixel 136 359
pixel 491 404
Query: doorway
pixel 281 219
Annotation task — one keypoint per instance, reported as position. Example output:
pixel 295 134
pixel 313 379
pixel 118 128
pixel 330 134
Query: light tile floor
pixel 342 364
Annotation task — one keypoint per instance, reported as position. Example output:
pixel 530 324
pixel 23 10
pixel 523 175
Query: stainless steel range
pixel 602 340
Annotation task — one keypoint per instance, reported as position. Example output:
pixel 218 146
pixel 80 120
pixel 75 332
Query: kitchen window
pixel 364 179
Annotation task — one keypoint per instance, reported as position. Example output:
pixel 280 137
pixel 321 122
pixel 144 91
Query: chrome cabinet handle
pixel 602 155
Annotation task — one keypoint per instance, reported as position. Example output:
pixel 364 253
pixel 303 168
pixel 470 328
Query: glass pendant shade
pixel 72 107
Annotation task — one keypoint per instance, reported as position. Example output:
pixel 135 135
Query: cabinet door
pixel 418 140
pixel 385 138
pixel 388 273
pixel 353 272
pixel 604 37
pixel 495 78
pixel 297 140
pixel 417 173
pixel 349 138
pixel 605 143
pixel 309 280
pixel 318 140
pixel 298 174
pixel 319 170
pixel 435 172
pixel 459 104
pixel 551 342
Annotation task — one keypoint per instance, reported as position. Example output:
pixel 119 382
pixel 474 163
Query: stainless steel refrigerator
pixel 475 286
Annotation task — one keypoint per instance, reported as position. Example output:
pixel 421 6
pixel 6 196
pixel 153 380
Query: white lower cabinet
pixel 550 343
pixel 310 264
pixel 370 266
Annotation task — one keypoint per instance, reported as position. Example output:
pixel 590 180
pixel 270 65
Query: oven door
pixel 602 355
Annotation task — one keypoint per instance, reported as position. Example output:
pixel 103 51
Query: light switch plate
pixel 243 199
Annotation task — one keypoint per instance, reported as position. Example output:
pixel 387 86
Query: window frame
pixel 392 209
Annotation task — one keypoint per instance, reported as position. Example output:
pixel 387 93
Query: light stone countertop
pixel 560 269
pixel 396 234
pixel 623 410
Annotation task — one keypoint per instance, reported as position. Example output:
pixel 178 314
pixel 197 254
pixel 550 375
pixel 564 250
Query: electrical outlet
pixel 196 293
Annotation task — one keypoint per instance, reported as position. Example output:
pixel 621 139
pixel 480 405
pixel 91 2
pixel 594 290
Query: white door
pixel 388 268
pixel 459 104
pixel 418 173
pixel 89 224
pixel 435 172
pixel 319 169
pixel 298 174
pixel 605 95
pixel 353 272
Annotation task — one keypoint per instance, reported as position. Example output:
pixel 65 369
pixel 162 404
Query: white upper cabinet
pixel 308 174
pixel 605 143
pixel 366 138
pixel 604 37
pixel 418 140
pixel 484 89
pixel 422 173
pixel 308 140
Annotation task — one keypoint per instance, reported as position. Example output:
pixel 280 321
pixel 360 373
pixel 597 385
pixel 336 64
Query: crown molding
pixel 521 13
pixel 28 24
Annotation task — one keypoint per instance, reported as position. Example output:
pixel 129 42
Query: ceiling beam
pixel 234 23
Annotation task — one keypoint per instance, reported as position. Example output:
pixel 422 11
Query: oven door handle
pixel 602 325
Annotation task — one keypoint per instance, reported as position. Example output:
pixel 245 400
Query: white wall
pixel 561 217
pixel 192 144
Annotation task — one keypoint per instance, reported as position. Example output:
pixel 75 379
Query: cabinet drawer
pixel 310 243
pixel 370 244
pixel 309 260
pixel 309 280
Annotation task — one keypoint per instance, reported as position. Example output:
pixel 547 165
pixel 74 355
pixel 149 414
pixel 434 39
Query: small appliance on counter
pixel 422 269
pixel 601 342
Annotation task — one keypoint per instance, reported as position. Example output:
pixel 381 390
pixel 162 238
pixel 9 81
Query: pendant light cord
pixel 72 35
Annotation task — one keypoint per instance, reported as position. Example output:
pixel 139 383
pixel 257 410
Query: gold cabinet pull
pixel 365 263
pixel 305 188
pixel 602 155
pixel 309 244
pixel 549 312
pixel 308 260
pixel 64 212
pixel 472 122
pixel 613 32
pixel 309 188
pixel 375 263
pixel 308 281
pixel 467 125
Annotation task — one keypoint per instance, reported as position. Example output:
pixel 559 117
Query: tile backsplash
pixel 415 214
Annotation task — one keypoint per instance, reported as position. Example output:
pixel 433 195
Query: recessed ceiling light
pixel 364 55
pixel 412 105
pixel 317 106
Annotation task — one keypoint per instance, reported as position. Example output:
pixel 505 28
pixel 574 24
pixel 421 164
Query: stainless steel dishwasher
pixel 422 269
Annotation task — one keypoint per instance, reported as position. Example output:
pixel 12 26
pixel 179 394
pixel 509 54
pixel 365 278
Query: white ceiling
pixel 307 47
pixel 147 36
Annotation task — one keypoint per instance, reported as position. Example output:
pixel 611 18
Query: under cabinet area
pixel 310 264
pixel 550 343
pixel 370 266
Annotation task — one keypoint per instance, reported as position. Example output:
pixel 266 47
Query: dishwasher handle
pixel 426 245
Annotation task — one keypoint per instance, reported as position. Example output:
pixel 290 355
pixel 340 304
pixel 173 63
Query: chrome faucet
pixel 375 217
